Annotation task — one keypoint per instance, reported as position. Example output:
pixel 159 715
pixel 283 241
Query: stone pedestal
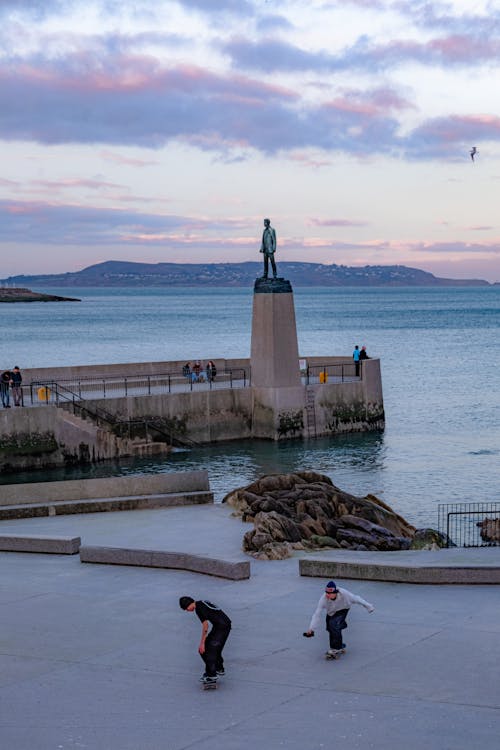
pixel 278 395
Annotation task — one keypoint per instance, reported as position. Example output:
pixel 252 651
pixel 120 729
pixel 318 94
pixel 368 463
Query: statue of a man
pixel 268 247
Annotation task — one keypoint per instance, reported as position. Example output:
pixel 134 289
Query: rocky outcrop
pixel 430 539
pixel 490 530
pixel 305 510
pixel 19 294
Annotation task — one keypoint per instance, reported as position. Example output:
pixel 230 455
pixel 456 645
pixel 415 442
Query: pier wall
pixel 123 369
pixel 45 435
pixel 355 406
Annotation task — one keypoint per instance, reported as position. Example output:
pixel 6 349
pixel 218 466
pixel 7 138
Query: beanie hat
pixel 331 585
pixel 185 601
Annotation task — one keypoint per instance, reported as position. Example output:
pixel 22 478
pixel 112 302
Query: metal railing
pixel 58 395
pixel 141 385
pixel 340 372
pixel 470 524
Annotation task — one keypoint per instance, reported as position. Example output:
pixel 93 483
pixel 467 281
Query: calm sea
pixel 440 355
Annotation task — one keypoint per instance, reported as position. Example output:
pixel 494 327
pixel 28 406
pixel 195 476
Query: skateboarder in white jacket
pixel 336 603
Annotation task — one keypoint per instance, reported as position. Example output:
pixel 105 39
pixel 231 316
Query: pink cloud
pixel 336 223
pixel 126 160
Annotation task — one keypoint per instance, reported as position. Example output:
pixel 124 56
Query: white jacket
pixel 343 600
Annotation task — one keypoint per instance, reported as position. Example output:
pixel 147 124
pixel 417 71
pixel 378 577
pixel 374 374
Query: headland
pixel 20 294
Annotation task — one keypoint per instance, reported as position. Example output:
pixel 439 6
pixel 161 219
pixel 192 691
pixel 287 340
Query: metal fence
pixel 46 392
pixel 470 524
pixel 341 372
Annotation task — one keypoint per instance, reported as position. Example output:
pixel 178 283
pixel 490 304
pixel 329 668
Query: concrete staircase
pixel 77 436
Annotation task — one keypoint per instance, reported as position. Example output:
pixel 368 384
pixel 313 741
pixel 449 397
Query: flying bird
pixel 473 152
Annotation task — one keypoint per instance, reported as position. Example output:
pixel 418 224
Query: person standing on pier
pixel 16 380
pixel 356 356
pixel 5 379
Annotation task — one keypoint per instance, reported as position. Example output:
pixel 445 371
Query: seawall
pixel 44 435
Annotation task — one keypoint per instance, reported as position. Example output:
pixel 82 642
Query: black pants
pixel 335 624
pixel 4 390
pixel 214 643
pixel 266 265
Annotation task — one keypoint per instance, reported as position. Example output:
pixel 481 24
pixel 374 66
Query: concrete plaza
pixel 101 657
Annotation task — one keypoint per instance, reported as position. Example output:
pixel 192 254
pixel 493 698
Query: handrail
pixel 341 371
pixel 144 383
pixel 64 395
pixel 173 437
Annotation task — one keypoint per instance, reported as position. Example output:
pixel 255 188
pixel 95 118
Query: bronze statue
pixel 268 247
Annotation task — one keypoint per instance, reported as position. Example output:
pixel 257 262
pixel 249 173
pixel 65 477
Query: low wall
pixel 123 369
pixel 235 571
pixel 86 489
pixel 419 574
pixel 52 545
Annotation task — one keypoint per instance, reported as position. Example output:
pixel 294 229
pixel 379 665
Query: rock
pixel 280 528
pixel 428 539
pixel 274 551
pixel 323 541
pixel 305 508
pixel 490 529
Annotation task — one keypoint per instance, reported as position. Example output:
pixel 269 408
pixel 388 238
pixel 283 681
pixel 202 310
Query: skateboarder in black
pixel 211 643
pixel 337 602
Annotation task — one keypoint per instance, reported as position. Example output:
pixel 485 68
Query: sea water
pixel 440 359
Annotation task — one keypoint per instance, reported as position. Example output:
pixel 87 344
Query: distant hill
pixel 124 273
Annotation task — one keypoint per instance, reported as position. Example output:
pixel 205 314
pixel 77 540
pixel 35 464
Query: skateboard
pixel 337 655
pixel 209 685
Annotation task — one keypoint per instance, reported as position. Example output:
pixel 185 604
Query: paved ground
pixel 101 657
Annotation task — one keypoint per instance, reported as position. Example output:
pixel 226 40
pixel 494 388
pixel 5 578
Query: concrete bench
pixel 101 505
pixel 426 574
pixel 235 571
pixel 53 545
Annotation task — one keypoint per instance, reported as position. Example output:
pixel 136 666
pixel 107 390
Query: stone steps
pixel 101 505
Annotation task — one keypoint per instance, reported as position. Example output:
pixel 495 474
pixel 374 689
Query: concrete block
pixel 424 574
pixel 102 505
pixel 90 489
pixel 54 545
pixel 235 571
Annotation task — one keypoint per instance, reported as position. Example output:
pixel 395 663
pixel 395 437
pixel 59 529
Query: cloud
pixel 312 222
pixel 52 223
pixel 218 7
pixel 450 137
pixel 274 55
pixel 442 16
pixel 128 161
pixel 75 183
pixel 134 101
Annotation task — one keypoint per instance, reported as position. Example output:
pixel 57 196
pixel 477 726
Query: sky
pixel 166 131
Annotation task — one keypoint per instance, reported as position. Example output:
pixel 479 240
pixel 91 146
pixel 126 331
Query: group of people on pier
pixel 11 382
pixel 196 373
